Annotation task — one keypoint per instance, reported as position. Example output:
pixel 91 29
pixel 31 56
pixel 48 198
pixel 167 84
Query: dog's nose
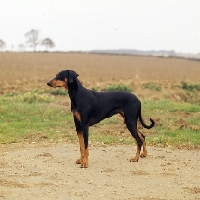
pixel 49 84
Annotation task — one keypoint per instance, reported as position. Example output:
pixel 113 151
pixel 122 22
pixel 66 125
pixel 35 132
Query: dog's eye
pixel 59 75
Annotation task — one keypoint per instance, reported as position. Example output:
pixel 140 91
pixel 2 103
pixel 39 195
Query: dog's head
pixel 63 78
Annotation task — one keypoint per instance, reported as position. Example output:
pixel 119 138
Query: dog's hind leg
pixel 142 137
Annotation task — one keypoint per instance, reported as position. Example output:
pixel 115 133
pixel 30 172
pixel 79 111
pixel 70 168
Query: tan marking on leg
pixel 144 153
pixel 140 136
pixel 84 152
pixel 77 115
pixel 137 155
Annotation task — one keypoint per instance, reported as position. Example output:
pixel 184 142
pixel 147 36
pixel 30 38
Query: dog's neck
pixel 75 89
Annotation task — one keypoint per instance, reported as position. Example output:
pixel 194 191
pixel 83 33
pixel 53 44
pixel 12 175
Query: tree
pixel 48 43
pixel 32 38
pixel 2 44
pixel 21 47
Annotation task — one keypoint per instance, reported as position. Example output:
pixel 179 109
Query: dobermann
pixel 90 107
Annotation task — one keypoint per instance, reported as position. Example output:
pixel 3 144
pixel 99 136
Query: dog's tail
pixel 142 122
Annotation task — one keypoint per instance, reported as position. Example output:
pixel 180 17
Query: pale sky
pixel 104 24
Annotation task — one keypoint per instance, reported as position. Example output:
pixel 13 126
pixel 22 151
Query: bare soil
pixel 48 171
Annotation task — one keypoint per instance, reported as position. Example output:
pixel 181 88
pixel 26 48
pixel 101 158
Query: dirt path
pixel 49 172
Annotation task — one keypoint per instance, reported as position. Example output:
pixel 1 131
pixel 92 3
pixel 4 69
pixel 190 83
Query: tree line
pixel 32 41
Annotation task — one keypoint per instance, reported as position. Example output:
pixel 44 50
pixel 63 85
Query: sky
pixel 83 25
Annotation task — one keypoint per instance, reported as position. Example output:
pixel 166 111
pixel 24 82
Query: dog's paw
pixel 143 155
pixel 134 159
pixel 84 165
pixel 79 161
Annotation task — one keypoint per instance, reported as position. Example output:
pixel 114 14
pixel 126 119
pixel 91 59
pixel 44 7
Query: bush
pixel 28 97
pixel 58 91
pixel 119 87
pixel 154 87
pixel 190 87
pixel 95 89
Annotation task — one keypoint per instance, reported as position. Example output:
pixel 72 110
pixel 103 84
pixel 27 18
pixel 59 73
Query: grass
pixel 178 137
pixel 36 116
pixel 29 116
pixel 171 106
pixel 32 122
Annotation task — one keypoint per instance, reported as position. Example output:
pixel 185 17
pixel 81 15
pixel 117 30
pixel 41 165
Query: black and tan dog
pixel 89 107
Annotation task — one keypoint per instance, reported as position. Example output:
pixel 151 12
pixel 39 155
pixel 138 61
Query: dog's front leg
pixel 84 152
pixel 83 138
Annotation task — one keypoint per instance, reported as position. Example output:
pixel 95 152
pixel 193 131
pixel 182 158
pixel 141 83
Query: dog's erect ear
pixel 72 75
